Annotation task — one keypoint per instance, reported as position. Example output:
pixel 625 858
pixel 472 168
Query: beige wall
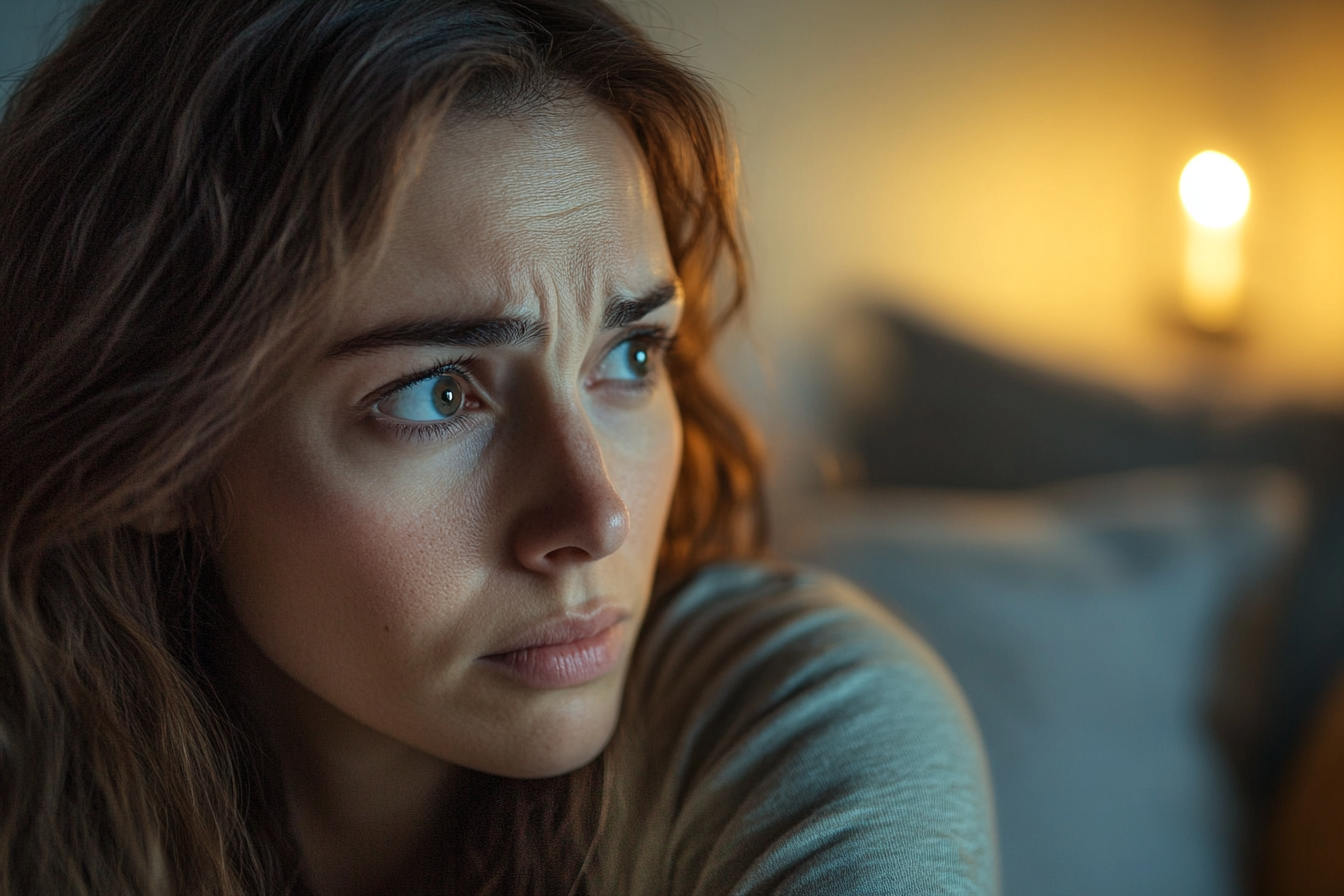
pixel 1010 167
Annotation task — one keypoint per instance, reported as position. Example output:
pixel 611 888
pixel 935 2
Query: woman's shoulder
pixel 790 735
pixel 775 636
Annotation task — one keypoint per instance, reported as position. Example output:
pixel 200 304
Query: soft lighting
pixel 1215 193
pixel 1214 190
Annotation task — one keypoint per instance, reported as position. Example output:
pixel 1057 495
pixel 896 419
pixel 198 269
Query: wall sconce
pixel 1216 194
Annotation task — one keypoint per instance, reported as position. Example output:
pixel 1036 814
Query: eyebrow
pixel 622 311
pixel 495 332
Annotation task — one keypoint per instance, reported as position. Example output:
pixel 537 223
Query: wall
pixel 1010 168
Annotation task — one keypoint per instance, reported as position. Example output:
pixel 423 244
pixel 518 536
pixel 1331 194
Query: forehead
pixel 543 213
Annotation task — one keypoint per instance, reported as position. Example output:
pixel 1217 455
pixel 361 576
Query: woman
pixel 364 469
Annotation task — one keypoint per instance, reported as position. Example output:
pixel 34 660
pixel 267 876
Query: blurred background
pixel 1090 447
pixel 1009 170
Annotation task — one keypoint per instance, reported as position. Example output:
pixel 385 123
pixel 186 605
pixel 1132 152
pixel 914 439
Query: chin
pixel 547 763
pixel 557 746
pixel 561 763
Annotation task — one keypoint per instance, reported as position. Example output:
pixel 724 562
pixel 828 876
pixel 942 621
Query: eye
pixel 635 360
pixel 432 399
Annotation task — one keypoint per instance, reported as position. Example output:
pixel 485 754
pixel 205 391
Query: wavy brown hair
pixel 185 191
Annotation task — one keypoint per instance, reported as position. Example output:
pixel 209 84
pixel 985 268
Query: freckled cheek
pixel 327 553
pixel 644 464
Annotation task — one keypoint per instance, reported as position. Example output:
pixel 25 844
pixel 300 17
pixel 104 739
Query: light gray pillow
pixel 1081 620
pixel 29 29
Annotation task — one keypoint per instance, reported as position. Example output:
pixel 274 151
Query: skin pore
pixel 441 541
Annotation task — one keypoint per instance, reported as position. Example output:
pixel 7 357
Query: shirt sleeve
pixel 785 735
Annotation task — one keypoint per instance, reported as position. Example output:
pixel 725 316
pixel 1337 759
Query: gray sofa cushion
pixel 1081 620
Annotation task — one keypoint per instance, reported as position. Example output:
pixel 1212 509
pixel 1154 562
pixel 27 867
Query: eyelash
pixel 657 338
pixel 427 431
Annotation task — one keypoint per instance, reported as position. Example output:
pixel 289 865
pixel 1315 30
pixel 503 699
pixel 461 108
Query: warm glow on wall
pixel 1009 171
pixel 1216 194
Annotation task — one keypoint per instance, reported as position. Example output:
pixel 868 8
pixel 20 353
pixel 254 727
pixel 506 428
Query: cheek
pixel 644 466
pixel 320 558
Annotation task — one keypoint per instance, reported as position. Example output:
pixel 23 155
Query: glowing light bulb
pixel 1214 190
pixel 1216 194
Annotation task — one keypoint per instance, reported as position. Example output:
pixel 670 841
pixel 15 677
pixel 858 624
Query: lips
pixel 564 652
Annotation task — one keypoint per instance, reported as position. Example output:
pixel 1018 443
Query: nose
pixel 573 513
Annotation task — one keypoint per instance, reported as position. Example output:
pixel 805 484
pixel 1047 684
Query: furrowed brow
pixel 623 310
pixel 496 332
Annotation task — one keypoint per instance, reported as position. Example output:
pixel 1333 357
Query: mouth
pixel 564 652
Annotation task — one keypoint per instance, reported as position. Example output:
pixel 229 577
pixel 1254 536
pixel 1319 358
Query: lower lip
pixel 563 665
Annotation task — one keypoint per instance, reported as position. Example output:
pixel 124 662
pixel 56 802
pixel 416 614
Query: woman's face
pixel 447 529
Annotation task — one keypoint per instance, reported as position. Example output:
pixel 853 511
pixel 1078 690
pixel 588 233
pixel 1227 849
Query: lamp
pixel 1216 194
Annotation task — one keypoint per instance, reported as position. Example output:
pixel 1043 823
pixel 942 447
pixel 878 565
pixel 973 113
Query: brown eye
pixel 447 395
pixel 640 362
pixel 431 399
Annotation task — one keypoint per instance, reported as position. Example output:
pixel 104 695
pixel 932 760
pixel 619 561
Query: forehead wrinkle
pixel 553 224
pixel 567 297
pixel 557 167
pixel 553 210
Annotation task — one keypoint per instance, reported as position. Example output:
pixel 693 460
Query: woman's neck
pixel 362 805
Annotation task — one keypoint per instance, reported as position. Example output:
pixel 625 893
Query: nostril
pixel 568 555
pixel 604 536
pixel 577 527
pixel 572 511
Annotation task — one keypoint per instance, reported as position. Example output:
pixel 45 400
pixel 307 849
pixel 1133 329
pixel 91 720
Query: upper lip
pixel 564 629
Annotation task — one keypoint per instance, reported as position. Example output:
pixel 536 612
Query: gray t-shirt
pixel 784 734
